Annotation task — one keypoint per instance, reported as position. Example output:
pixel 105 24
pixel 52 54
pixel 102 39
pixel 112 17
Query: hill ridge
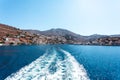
pixel 11 35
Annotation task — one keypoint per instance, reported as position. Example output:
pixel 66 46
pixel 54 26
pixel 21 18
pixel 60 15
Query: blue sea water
pixel 59 62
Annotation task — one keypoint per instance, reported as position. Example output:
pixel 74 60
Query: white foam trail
pixel 50 66
pixel 76 70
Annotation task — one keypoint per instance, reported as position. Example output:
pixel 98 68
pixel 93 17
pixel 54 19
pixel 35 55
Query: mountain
pixel 95 36
pixel 61 33
pixel 57 32
pixel 72 38
pixel 64 32
pixel 11 35
pixel 54 32
pixel 117 35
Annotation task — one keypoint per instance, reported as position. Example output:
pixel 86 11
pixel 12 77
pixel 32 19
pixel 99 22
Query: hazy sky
pixel 85 17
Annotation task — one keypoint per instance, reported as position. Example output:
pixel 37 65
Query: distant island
pixel 13 36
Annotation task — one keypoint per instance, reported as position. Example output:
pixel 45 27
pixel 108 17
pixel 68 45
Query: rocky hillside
pixel 8 30
pixel 60 34
pixel 11 35
pixel 114 41
pixel 65 36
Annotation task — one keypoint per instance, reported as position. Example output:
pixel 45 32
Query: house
pixel 13 41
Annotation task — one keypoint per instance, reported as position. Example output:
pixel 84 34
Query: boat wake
pixel 55 64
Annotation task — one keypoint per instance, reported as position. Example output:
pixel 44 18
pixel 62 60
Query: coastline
pixel 55 44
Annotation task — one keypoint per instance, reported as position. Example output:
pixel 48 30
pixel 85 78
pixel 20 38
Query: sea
pixel 59 62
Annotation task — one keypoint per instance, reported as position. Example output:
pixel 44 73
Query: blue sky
pixel 84 17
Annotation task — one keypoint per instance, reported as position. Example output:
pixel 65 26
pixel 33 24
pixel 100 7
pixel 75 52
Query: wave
pixel 55 64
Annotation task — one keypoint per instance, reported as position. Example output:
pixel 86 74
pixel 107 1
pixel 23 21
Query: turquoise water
pixel 62 62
